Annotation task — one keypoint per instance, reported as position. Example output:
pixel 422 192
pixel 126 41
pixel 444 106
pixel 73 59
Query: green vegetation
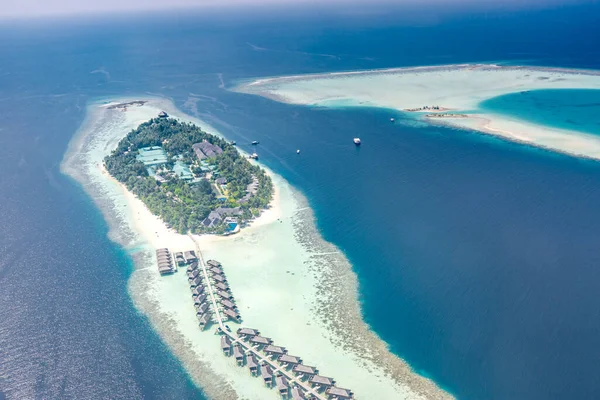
pixel 182 204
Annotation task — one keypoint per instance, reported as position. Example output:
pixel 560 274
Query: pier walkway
pixel 235 339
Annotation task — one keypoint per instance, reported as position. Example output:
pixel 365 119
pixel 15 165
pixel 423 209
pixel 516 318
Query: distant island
pixel 196 182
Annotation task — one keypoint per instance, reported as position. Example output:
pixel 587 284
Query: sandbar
pixel 460 88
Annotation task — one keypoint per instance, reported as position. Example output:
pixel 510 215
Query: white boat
pixel 255 143
pixel 357 141
pixel 392 119
pixel 254 156
pixel 298 151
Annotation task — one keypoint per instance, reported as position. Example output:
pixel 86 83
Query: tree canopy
pixel 184 204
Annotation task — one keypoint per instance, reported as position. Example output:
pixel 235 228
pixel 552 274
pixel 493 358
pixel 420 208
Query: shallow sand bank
pixel 288 282
pixel 457 87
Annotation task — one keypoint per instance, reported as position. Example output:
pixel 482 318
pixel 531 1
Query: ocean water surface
pixel 477 258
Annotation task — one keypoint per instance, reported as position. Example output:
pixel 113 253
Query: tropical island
pixel 196 182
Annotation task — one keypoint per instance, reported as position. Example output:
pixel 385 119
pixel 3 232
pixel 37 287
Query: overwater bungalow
pixel 224 294
pixel 222 286
pixel 252 363
pixel 192 274
pixel 205 319
pixel 190 256
pixel 261 340
pixel 198 290
pixel 274 350
pixel 164 269
pixel 179 258
pixel 339 393
pixel 215 270
pixel 247 332
pixel 226 345
pixel 305 370
pixel 232 314
pixel 162 250
pixel 290 360
pixel 267 373
pixel 200 299
pixel 201 309
pixel 282 384
pixel 318 380
pixel 238 354
pixel 228 304
pixel 213 263
pixel 197 281
pixel 219 278
pixel 297 393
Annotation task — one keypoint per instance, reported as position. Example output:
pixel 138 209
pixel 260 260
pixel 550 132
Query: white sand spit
pixel 454 87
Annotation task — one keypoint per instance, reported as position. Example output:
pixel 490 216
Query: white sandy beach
pixel 288 283
pixel 455 87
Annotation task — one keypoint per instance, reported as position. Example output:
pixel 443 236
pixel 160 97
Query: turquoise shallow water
pixel 572 109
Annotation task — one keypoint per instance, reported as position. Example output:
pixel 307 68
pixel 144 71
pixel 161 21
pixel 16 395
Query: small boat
pixel 298 151
pixel 255 143
pixel 254 156
pixel 392 119
pixel 357 141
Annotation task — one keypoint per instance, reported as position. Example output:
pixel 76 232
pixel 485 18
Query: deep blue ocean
pixel 477 258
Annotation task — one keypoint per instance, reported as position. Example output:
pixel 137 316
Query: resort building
pixel 297 393
pixel 200 299
pixel 196 282
pixel 232 314
pixel 205 319
pixel 219 215
pixel 228 304
pixel 179 258
pixel 201 309
pixel 290 360
pixel 164 261
pixel 305 370
pixel 247 332
pixel 318 380
pixel 219 278
pixel 222 286
pixel 215 270
pixel 198 290
pixel 260 340
pixel 224 295
pixel 282 384
pixel 213 263
pixel 274 350
pixel 152 156
pixel 206 149
pixel 252 363
pixel 238 354
pixel 338 393
pixel 190 256
pixel 267 373
pixel 226 345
